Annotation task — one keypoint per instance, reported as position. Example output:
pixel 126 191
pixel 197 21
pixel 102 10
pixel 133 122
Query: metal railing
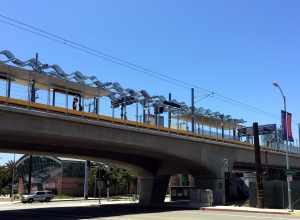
pixel 207 135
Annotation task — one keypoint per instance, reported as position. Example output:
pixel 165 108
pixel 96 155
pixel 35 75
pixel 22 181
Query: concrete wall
pixel 275 193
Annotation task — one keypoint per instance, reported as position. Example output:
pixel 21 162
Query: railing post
pixel 8 83
pixel 169 112
pixel 32 92
pixel 53 97
pixel 144 112
pixel 48 96
pixel 222 125
pixel 96 105
pixel 193 109
pixel 137 112
pixel 67 100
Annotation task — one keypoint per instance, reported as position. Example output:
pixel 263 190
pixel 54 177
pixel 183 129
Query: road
pixel 90 210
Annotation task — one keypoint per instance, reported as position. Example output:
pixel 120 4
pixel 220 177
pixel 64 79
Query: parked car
pixel 40 196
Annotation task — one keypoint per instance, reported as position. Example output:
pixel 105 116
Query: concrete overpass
pixel 153 154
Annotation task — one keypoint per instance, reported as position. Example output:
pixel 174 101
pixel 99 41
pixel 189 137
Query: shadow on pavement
pixel 87 212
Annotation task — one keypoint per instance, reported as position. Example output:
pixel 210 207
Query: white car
pixel 40 196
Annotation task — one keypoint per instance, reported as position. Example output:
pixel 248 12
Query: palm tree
pixel 4 180
pixel 11 166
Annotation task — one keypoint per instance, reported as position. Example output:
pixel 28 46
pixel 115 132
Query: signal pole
pixel 259 182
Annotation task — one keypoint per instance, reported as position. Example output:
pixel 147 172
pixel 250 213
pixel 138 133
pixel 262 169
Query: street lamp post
pixel 287 145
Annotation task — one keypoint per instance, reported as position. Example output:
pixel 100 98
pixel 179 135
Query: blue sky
pixel 234 47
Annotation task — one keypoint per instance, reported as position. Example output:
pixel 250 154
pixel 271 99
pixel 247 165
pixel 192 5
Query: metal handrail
pixel 94 116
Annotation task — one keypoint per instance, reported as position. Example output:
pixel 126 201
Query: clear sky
pixel 235 47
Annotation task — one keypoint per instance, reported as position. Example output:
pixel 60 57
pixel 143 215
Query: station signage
pixel 262 129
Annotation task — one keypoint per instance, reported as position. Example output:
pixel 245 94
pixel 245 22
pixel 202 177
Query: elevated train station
pixel 163 131
pixel 51 86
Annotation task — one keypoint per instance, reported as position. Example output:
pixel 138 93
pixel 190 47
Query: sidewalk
pixel 112 199
pixel 6 202
pixel 250 210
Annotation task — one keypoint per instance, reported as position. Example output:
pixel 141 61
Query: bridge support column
pixel 87 167
pixel 217 185
pixel 153 190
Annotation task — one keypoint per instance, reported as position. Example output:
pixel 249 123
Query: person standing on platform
pixel 74 105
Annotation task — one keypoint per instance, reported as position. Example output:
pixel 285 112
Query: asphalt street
pixel 71 210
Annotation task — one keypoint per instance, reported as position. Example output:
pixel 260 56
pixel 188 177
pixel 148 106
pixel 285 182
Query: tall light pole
pixel 287 146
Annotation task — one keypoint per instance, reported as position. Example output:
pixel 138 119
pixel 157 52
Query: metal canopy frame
pixel 43 81
pixel 45 76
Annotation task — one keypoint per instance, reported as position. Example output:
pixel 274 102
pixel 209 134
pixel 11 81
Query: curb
pixel 297 214
pixel 246 211
pixel 71 200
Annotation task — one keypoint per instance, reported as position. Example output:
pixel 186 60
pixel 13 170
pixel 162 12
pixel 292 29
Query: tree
pixel 5 178
pixel 118 178
pixel 10 165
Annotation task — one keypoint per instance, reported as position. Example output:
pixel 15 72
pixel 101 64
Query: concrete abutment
pixel 153 190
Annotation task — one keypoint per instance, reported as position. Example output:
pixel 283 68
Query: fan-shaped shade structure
pixel 44 81
pixel 47 76
pixel 213 121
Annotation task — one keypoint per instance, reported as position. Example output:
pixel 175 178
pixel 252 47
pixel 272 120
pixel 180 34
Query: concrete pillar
pixel 86 179
pixel 217 185
pixel 153 190
pixel 191 180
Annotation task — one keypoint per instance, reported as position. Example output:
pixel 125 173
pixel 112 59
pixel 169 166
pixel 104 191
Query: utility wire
pixel 201 98
pixel 138 68
pixel 89 52
pixel 97 53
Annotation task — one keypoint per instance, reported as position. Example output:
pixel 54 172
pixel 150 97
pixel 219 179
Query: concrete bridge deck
pixel 153 154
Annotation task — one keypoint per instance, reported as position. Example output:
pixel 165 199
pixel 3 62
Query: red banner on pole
pixel 286 126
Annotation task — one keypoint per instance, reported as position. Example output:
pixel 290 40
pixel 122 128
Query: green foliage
pixel 10 165
pixel 116 176
pixel 120 176
pixel 5 180
pixel 63 196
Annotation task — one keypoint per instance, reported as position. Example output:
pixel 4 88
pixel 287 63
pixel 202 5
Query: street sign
pixel 262 129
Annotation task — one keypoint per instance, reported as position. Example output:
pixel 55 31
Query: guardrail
pixel 93 116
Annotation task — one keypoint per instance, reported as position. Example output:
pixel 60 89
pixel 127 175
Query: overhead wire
pixel 97 53
pixel 113 59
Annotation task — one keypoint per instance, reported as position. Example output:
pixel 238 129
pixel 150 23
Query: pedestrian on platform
pixel 75 101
